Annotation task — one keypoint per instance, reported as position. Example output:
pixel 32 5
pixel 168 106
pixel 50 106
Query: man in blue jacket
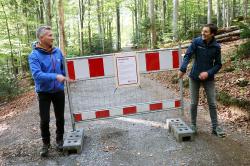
pixel 46 65
pixel 206 54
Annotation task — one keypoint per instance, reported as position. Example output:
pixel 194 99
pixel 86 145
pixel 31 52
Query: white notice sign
pixel 126 70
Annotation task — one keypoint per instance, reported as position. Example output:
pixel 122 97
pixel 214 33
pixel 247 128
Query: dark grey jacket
pixel 207 57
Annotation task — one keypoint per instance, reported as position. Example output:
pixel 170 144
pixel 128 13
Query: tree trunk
pixel 185 15
pixel 89 27
pixel 27 28
pixel 13 70
pixel 61 26
pixel 228 13
pixel 22 68
pixel 40 12
pixel 118 27
pixel 223 14
pixel 110 33
pixel 25 12
pixel 209 11
pixel 103 26
pixel 245 9
pixel 175 20
pixel 136 22
pixel 48 12
pixel 218 12
pixel 233 9
pixel 57 28
pixel 238 8
pixel 164 8
pixel 81 19
pixel 151 14
pixel 100 26
pixel 205 11
pixel 140 15
pixel 198 17
pixel 133 26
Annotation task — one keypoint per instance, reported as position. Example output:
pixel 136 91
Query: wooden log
pixel 234 33
pixel 228 39
pixel 227 30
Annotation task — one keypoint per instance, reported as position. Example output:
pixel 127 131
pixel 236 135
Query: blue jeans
pixel 209 87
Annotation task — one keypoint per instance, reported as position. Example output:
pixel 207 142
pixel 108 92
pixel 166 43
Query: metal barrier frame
pixel 73 122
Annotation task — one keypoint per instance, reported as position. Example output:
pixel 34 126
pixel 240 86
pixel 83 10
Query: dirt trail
pixel 117 142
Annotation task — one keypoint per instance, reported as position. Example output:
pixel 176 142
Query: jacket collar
pixel 36 46
pixel 213 42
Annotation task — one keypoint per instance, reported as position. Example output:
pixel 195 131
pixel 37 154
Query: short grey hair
pixel 41 31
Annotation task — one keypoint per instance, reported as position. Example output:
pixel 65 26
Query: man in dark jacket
pixel 206 54
pixel 47 68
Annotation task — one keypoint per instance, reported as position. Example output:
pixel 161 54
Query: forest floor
pixel 19 117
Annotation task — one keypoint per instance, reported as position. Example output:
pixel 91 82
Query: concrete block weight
pixel 73 142
pixel 180 130
pixel 183 134
pixel 172 121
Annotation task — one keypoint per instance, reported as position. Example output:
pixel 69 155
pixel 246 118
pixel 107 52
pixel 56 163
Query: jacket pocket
pixel 46 86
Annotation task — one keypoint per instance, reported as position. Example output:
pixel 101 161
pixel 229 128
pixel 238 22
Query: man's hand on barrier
pixel 60 78
pixel 203 75
pixel 180 74
pixel 70 80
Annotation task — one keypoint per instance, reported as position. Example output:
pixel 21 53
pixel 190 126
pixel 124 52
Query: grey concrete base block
pixel 73 141
pixel 183 134
pixel 180 130
pixel 171 121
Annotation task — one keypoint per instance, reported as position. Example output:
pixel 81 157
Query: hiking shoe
pixel 194 128
pixel 218 132
pixel 59 145
pixel 45 150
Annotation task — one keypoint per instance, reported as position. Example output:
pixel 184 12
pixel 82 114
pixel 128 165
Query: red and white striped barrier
pixel 103 66
pixel 85 68
pixel 158 60
pixel 126 110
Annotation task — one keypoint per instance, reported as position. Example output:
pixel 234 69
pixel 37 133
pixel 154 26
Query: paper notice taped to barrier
pixel 126 69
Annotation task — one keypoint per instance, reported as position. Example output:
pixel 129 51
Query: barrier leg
pixel 73 140
pixel 181 81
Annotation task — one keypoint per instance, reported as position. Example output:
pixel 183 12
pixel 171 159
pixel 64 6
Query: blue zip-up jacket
pixel 207 58
pixel 44 67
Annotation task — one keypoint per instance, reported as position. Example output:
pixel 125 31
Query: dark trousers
pixel 58 100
